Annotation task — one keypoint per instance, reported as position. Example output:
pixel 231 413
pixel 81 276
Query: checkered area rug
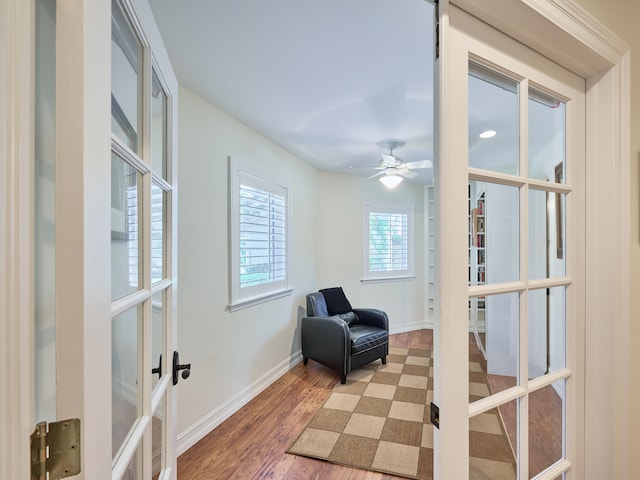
pixel 490 454
pixel 379 420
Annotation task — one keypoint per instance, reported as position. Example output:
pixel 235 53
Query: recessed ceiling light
pixel 488 134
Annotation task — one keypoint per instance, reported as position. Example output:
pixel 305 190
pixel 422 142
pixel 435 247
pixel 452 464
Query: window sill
pixel 250 302
pixel 399 278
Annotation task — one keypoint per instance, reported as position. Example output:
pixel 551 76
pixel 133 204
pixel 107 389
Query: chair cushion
pixel 336 300
pixel 365 337
pixel 316 305
pixel 349 318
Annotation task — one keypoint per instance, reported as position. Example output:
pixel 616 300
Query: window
pixel 388 242
pixel 259 243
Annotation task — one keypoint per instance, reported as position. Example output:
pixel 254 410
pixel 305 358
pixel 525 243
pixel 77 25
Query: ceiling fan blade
pixel 407 174
pixel 419 164
pixel 376 175
pixel 388 159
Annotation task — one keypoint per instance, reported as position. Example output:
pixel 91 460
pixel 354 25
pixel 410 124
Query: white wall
pixel 537 269
pixel 235 355
pixel 339 246
pixel 502 265
pixel 231 352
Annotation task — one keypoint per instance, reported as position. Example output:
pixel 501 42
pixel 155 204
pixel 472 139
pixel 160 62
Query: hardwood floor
pixel 251 443
pixel 545 419
pixel 545 424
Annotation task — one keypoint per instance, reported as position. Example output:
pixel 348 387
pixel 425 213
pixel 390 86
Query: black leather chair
pixel 340 337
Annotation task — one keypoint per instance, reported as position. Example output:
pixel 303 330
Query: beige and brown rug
pixel 379 420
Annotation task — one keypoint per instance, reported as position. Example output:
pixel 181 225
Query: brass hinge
pixel 57 451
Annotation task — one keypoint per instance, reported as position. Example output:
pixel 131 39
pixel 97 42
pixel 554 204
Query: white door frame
pixel 572 38
pixel 83 232
pixel 17 27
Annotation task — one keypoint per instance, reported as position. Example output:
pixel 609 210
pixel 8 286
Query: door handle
pixel 177 367
pixel 158 369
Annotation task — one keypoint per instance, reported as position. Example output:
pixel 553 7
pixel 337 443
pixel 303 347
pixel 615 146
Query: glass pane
pixel 478 326
pixel 125 226
pixel 546 137
pixel 124 371
pixel 546 234
pixel 158 128
pixel 493 121
pixel 546 427
pixel 495 369
pixel 158 231
pixel 156 439
pixel 44 294
pixel 493 444
pixel 547 323
pixel 157 335
pixel 134 469
pixel 494 231
pixel 477 260
pixel 477 231
pixel 126 53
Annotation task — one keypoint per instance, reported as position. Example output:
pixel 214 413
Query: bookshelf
pixel 477 260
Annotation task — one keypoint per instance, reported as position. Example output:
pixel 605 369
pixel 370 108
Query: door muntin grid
pixel 531 336
pixel 141 147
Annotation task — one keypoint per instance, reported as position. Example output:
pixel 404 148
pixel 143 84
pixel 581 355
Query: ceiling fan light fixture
pixel 488 134
pixel 391 181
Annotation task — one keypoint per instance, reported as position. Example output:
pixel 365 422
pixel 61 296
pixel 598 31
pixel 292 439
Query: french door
pixel 143 207
pixel 511 203
pixel 91 223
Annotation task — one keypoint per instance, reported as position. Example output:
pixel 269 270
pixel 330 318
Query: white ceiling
pixel 330 81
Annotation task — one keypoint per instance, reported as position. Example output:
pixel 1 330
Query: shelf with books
pixel 477 238
pixel 477 261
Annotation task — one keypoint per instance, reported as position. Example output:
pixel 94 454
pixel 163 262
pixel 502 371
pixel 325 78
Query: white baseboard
pixel 198 430
pixel 410 327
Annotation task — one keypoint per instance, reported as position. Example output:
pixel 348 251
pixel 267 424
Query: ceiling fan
pixel 393 169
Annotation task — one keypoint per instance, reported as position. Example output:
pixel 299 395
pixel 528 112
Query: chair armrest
pixel 326 340
pixel 373 317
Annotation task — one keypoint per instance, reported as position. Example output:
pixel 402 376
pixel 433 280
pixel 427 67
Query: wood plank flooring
pixel 545 423
pixel 250 444
pixel 545 419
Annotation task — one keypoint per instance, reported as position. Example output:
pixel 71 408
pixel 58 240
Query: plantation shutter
pixel 388 242
pixel 157 232
pixel 263 232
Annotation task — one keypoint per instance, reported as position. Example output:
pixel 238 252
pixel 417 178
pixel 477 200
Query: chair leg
pixel 305 360
pixel 384 359
pixel 343 378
